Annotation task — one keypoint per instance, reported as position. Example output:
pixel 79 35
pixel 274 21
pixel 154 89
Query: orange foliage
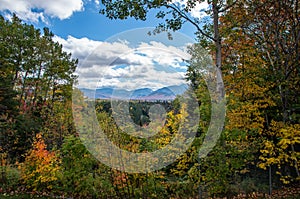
pixel 39 171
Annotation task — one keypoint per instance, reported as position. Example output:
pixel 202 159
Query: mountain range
pixel 165 93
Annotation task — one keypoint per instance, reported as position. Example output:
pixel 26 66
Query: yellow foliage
pixel 172 126
pixel 282 152
pixel 247 91
pixel 40 168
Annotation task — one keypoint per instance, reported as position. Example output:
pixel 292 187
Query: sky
pixel 111 53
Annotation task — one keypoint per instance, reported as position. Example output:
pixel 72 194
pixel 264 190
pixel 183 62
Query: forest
pixel 256 46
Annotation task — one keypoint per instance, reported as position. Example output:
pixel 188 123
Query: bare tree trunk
pixel 218 50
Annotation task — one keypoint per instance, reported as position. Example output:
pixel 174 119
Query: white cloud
pixel 91 52
pixel 79 48
pixel 152 64
pixel 198 10
pixel 35 10
pixel 165 55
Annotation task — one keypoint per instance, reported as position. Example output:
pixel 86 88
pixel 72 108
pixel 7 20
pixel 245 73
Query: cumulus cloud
pixel 164 55
pixel 35 10
pixel 153 65
pixel 90 52
pixel 198 10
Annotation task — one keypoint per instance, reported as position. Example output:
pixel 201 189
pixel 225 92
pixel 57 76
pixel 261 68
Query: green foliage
pixel 35 73
pixel 138 110
pixel 174 15
pixel 82 176
pixel 10 177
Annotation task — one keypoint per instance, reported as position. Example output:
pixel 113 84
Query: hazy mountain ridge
pixel 165 93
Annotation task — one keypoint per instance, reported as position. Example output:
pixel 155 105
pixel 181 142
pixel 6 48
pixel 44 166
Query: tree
pixel 80 170
pixel 259 56
pixel 35 75
pixel 261 69
pixel 224 169
pixel 275 28
pixel 276 31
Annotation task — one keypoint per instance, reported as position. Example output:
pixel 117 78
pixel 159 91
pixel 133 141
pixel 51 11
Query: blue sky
pixel 110 52
pixel 95 26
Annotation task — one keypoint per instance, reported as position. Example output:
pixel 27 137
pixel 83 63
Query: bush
pixel 10 177
pixel 40 170
pixel 82 176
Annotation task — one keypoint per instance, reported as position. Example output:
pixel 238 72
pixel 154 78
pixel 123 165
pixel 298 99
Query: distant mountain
pixel 108 93
pixel 178 90
pixel 139 93
pixel 89 93
pixel 104 93
pixel 165 93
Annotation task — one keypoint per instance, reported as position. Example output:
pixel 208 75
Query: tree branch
pixel 227 7
pixel 183 15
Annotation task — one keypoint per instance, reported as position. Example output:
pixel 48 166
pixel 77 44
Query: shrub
pixel 40 170
pixel 10 177
pixel 80 178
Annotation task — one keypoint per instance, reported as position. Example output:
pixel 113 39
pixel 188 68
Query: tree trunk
pixel 218 50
